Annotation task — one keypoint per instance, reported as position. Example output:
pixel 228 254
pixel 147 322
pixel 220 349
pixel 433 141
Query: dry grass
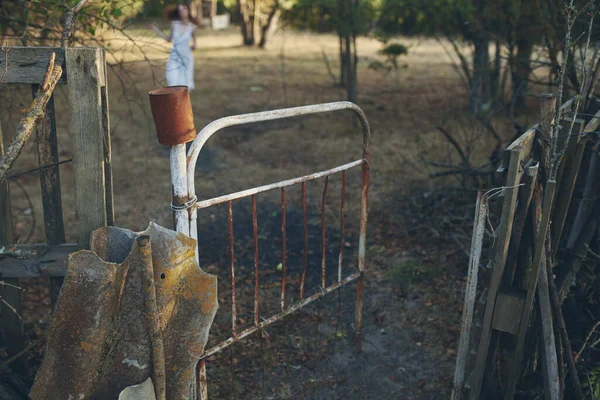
pixel 232 79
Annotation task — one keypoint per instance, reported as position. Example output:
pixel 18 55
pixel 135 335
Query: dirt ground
pixel 415 272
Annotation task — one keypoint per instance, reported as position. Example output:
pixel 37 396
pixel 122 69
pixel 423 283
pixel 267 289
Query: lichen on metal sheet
pixel 100 340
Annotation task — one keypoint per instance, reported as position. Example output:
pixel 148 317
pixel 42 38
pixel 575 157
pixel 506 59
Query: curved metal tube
pixel 235 120
pixel 243 119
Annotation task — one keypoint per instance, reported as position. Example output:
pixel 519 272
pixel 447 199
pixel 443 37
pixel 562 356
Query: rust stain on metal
pixel 362 250
pixel 87 347
pixel 323 238
pixel 291 309
pixel 173 116
pixel 283 248
pixel 255 231
pixel 99 342
pixel 364 205
pixel 343 196
pixel 232 266
pixel 360 287
pixel 202 381
pixel 305 258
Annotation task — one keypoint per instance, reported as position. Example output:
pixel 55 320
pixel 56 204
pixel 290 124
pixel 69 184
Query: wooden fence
pixel 86 80
pixel 518 283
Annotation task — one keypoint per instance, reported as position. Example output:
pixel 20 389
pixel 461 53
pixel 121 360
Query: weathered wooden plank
pixel 572 145
pixel 481 213
pixel 507 314
pixel 524 142
pixel 565 108
pixel 47 147
pixel 594 123
pixel 591 191
pixel 515 173
pixel 6 228
pixel 540 237
pixel 35 260
pixel 544 134
pixel 549 356
pixel 86 76
pixel 568 179
pixel 28 65
pixel 110 207
pixel 525 194
pixel 12 324
pixel 527 139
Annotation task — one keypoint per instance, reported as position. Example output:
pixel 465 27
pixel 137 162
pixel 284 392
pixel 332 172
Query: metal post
pixel 174 120
pixel 179 189
pixel 362 249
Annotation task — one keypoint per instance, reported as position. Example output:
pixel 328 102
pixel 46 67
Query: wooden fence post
pixel 85 68
pixel 47 148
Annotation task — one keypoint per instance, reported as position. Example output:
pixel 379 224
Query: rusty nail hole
pixel 143 241
pixel 162 276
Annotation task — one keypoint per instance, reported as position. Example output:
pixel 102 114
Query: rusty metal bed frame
pixel 185 206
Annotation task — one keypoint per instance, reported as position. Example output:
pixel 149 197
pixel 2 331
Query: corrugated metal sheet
pixel 136 306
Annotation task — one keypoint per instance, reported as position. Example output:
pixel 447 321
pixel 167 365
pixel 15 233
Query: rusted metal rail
pixel 186 206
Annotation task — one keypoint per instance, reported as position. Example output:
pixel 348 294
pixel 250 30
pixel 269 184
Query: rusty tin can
pixel 173 116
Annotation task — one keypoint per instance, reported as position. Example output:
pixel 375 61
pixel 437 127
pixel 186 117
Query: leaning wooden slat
pixel 524 143
pixel 515 173
pixel 526 140
pixel 566 107
pixel 571 147
pixel 86 77
pixel 27 65
pixel 462 353
pixel 549 356
pixel 110 206
pixel 594 123
pixel 540 237
pixel 525 194
pixel 585 208
pixel 565 194
pixel 34 260
pixel 568 269
pixel 591 189
pixel 47 147
pixel 12 324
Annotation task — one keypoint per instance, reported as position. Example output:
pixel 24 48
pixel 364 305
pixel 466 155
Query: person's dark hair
pixel 172 13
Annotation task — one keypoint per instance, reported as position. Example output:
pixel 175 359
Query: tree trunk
pixel 522 68
pixel 271 25
pixel 481 81
pixel 343 78
pixel 497 95
pixel 247 24
pixel 347 28
pixel 340 29
pixel 352 64
pixel 322 24
pixel 256 19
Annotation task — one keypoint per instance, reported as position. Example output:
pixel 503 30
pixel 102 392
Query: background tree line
pixel 498 45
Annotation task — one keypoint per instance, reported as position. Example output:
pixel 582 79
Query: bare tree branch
pixel 457 147
pixel 559 153
pixel 70 19
pixel 32 115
